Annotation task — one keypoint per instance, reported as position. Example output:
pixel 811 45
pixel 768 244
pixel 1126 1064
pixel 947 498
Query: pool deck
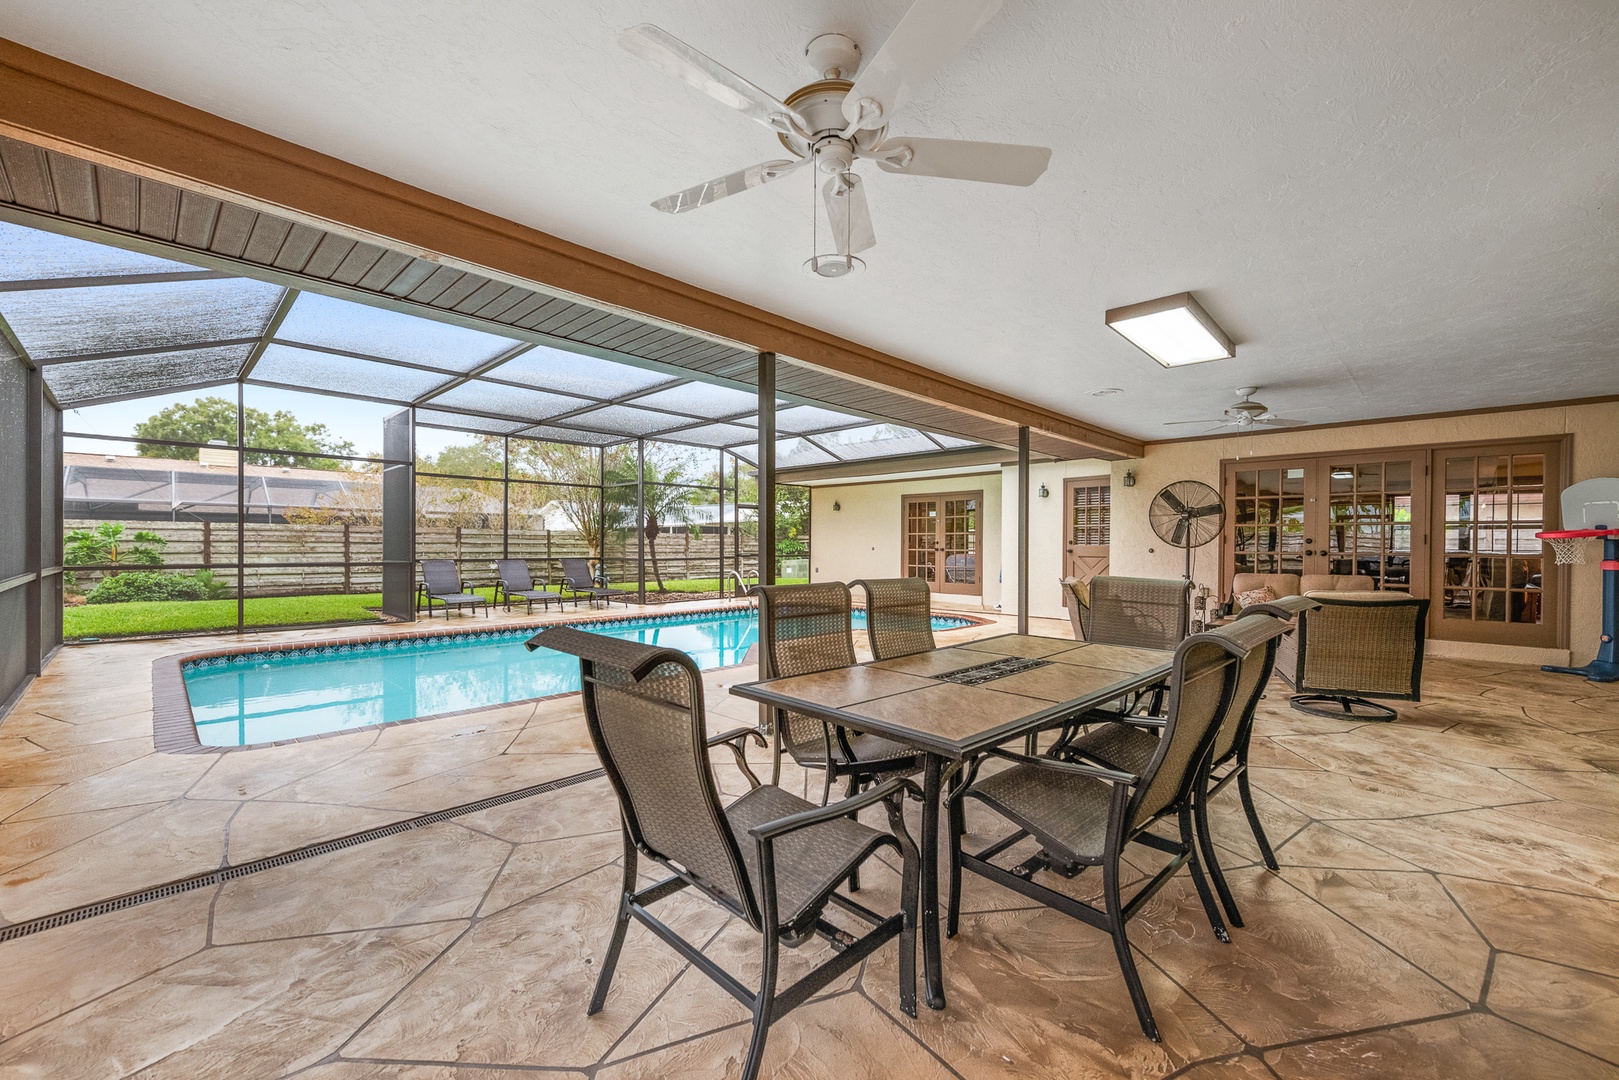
pixel 91 807
pixel 1448 906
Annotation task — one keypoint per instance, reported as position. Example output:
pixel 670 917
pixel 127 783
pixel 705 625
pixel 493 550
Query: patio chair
pixel 1356 646
pixel 441 581
pixel 899 616
pixel 515 583
pixel 804 629
pixel 1129 744
pixel 1085 815
pixel 577 576
pixel 771 858
pixel 1142 613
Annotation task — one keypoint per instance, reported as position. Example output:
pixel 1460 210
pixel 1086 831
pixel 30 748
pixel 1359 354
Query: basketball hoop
pixel 1568 547
pixel 1591 508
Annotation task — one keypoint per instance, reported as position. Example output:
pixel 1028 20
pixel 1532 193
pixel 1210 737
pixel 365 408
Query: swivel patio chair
pixel 804 629
pixel 1085 815
pixel 771 858
pixel 1356 646
pixel 441 581
pixel 899 616
pixel 1129 744
pixel 577 576
pixel 516 583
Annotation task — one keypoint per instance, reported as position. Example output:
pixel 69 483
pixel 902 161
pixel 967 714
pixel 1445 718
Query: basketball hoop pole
pixel 1605 667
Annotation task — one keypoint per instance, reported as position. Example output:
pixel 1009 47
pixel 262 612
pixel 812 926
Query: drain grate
pixel 270 862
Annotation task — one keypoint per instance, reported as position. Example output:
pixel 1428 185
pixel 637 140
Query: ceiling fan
pixel 838 120
pixel 1246 413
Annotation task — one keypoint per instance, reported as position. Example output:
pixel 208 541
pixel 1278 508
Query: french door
pixel 940 542
pixel 1359 513
pixel 1087 528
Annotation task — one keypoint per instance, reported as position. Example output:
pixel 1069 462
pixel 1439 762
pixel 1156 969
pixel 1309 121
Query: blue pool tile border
pixel 174 729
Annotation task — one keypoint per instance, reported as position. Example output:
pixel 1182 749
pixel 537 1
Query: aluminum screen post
pixel 767 468
pixel 1023 530
pixel 720 521
pixel 640 521
pixel 399 516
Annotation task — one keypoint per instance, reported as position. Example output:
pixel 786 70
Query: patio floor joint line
pixel 270 862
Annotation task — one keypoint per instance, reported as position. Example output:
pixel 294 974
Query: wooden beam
pixel 52 103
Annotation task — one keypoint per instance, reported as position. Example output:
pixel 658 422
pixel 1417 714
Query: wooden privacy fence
pixel 293 560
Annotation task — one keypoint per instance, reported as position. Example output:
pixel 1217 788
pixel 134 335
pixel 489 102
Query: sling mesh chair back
pixel 899 616
pixel 1085 815
pixel 1145 613
pixel 770 858
pixel 581 581
pixel 441 580
pixel 1129 744
pixel 805 629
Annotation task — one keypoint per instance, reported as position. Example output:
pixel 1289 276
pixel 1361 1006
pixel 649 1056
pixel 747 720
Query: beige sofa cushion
pixel 1361 595
pixel 1314 583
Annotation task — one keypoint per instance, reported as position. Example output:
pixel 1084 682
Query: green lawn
pixel 167 617
pixel 170 617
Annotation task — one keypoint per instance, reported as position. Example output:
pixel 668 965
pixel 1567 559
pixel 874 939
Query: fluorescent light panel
pixel 1173 330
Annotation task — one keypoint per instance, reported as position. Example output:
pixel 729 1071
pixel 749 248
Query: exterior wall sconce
pixel 836 506
pixel 1129 479
pixel 1045 492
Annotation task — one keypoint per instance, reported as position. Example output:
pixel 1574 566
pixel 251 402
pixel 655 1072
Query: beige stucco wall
pixel 1594 451
pixel 1046 533
pixel 863 539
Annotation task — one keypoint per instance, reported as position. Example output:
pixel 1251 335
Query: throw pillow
pixel 1262 595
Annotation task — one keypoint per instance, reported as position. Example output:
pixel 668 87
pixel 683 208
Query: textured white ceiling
pixel 1393 207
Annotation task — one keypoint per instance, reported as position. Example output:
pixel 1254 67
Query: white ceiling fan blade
pixel 931 32
pixel 729 184
pixel 846 209
pixel 1278 421
pixel 669 54
pixel 955 159
pixel 1177 423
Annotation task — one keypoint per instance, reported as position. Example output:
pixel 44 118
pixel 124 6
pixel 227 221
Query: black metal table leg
pixel 932 964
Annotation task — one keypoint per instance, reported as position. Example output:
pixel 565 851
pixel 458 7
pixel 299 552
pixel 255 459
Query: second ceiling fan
pixel 837 121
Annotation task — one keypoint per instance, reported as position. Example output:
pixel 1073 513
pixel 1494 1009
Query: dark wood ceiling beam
pixel 60 106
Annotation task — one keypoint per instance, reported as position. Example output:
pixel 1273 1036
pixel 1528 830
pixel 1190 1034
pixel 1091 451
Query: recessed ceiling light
pixel 1173 330
pixel 1106 391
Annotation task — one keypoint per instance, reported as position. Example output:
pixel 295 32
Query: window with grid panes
pixel 1091 523
pixel 1494 505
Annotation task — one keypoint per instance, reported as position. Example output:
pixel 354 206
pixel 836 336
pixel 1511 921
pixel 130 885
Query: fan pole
pixel 1188 574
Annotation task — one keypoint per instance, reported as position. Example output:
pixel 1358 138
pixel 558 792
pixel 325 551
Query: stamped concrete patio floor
pixel 1448 905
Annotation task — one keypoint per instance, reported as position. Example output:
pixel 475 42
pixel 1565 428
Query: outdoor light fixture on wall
pixel 836 506
pixel 1129 479
pixel 1173 330
pixel 1045 492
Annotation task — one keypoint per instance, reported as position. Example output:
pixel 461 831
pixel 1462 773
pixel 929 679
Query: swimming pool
pixel 261 697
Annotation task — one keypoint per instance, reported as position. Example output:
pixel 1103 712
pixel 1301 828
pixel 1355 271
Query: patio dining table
pixel 953 704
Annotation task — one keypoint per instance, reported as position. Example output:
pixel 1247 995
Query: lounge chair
pixel 441 581
pixel 516 584
pixel 577 576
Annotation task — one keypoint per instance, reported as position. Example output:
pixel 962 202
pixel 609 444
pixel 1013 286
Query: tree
pixel 574 473
pixel 792 512
pixel 214 418
pixel 663 502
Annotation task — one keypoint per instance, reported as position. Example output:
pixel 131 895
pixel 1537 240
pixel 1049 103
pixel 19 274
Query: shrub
pixel 212 587
pixel 146 585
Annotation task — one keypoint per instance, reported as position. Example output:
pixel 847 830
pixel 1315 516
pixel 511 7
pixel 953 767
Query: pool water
pixel 271 696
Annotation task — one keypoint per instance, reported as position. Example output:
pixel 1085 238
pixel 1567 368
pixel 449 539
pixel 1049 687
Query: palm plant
pixel 105 546
pixel 664 500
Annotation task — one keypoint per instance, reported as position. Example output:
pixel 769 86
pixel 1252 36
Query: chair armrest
pixel 772 830
pixel 737 742
pixel 1116 776
pixel 1157 723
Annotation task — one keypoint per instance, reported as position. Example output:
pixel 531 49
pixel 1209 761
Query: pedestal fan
pixel 1187 514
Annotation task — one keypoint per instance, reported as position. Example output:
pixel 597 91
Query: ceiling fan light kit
pixel 841 119
pixel 1173 330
